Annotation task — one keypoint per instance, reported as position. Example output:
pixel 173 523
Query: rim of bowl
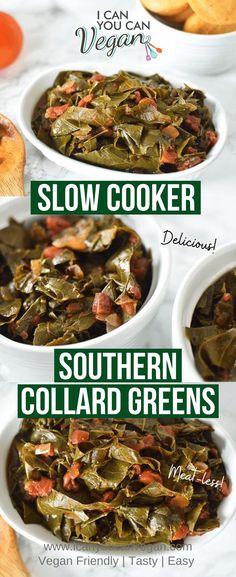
pixel 178 337
pixel 196 37
pixel 154 297
pixel 70 163
pixel 104 549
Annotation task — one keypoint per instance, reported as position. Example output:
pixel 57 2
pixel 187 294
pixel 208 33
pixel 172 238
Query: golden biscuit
pixel 181 16
pixel 215 11
pixel 165 7
pixel 196 25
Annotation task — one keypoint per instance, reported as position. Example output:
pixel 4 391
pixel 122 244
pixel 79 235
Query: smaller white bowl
pixel 35 363
pixel 41 535
pixel 199 278
pixel 85 170
pixel 201 53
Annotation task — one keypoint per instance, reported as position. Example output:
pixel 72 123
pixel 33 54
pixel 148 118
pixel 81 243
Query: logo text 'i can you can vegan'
pixel 113 30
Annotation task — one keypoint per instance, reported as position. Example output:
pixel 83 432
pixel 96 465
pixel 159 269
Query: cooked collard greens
pixel 213 330
pixel 125 122
pixel 111 482
pixel 65 280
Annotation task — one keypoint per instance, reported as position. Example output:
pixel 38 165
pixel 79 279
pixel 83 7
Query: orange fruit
pixel 11 39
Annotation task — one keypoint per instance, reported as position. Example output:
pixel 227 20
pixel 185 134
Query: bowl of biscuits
pixel 199 33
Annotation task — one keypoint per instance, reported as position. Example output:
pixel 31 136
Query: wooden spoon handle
pixel 11 564
pixel 13 185
pixel 12 159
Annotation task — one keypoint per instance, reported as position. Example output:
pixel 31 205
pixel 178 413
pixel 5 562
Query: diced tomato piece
pixel 85 101
pixel 225 489
pixel 170 131
pixel 181 533
pixel 56 224
pixel 168 430
pixel 73 308
pixel 211 137
pixel 138 96
pixel 108 496
pixel 69 478
pixel 134 290
pixel 129 308
pixel 46 449
pixel 169 156
pixel 40 488
pixel 147 100
pixel 76 271
pixel 102 304
pixel 68 87
pixel 51 251
pixel 127 304
pixel 70 484
pixel 36 320
pixel 97 78
pixel 147 477
pixel 136 469
pixel 79 436
pixel 54 111
pixel 227 297
pixel 193 122
pixel 74 470
pixel 179 501
pixel 139 267
pixel 148 440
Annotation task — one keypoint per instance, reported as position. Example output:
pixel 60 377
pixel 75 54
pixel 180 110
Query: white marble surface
pixel 49 39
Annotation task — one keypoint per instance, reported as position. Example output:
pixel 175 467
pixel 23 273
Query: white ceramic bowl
pixel 199 278
pixel 201 53
pixel 28 363
pixel 41 535
pixel 84 170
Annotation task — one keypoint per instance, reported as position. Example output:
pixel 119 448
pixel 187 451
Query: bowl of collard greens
pixel 111 124
pixel 203 322
pixel 107 483
pixel 80 282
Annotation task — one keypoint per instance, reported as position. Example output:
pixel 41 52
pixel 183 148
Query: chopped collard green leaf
pixel 125 122
pixel 67 280
pixel 213 330
pixel 111 482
